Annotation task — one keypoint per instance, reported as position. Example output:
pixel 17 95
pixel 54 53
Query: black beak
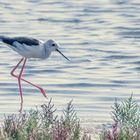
pixel 62 54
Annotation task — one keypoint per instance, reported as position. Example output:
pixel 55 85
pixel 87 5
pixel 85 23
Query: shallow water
pixel 102 40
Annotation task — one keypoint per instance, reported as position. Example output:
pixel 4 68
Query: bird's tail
pixel 1 38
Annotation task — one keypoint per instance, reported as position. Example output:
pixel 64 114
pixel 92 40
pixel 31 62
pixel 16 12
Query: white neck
pixel 47 52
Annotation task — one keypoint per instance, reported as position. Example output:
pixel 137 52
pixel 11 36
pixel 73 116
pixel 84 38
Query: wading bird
pixel 30 48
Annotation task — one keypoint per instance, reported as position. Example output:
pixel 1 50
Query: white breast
pixel 36 51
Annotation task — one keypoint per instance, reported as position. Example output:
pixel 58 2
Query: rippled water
pixel 102 40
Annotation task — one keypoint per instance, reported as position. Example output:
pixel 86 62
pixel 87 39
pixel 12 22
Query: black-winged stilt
pixel 30 48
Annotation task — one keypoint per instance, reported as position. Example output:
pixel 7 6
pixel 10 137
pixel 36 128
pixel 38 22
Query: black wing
pixel 21 40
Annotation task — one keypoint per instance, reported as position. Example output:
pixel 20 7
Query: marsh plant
pixel 126 117
pixel 43 124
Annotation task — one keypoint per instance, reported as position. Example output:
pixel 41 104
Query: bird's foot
pixel 43 92
pixel 21 107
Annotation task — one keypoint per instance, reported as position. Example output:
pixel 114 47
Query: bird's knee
pixel 13 74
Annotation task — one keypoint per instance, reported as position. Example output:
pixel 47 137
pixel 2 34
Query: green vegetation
pixel 126 117
pixel 43 124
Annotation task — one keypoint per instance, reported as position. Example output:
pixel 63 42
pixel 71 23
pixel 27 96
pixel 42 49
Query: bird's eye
pixel 53 44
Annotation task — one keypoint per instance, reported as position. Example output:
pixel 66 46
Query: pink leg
pixel 19 83
pixel 16 66
pixel 12 73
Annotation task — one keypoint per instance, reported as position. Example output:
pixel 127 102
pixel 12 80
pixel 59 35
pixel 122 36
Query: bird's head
pixel 51 45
